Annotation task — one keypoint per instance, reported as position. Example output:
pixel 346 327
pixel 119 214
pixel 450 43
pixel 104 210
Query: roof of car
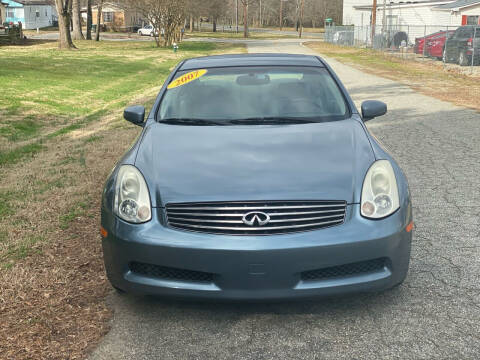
pixel 251 60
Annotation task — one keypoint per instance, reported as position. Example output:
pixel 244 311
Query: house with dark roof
pixel 31 13
pixel 418 13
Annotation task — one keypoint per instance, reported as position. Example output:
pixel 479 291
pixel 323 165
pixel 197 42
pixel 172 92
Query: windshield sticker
pixel 185 79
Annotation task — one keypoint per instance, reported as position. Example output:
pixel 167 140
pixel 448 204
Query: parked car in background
pixel 436 44
pixel 464 44
pixel 421 41
pixel 147 30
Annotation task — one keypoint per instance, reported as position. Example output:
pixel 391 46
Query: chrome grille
pixel 227 217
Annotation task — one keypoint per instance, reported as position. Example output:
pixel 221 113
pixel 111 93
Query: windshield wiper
pixel 192 121
pixel 273 120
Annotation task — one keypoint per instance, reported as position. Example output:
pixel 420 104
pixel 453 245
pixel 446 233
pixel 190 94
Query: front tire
pixel 463 59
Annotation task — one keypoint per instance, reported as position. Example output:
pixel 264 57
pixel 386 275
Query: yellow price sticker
pixel 185 79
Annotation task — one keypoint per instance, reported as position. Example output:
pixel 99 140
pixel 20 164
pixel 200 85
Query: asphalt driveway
pixel 434 315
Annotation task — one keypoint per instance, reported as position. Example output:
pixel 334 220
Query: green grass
pixel 23 129
pixel 93 138
pixel 11 157
pixel 77 210
pixel 5 207
pixel 20 251
pixel 74 82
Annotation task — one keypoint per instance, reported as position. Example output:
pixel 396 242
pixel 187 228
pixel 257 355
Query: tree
pixel 166 16
pixel 99 19
pixel 216 9
pixel 245 4
pixel 89 19
pixel 64 17
pixel 77 33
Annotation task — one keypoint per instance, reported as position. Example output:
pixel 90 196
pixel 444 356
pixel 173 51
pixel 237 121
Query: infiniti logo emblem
pixel 256 217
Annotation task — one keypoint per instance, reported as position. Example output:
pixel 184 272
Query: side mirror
pixel 372 109
pixel 135 114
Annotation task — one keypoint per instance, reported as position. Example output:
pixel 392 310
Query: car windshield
pixel 254 95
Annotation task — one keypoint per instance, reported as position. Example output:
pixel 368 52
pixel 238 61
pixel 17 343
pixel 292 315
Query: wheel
pixel 463 59
pixel 139 33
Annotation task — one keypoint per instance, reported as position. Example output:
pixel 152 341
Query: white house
pixel 31 13
pixel 413 13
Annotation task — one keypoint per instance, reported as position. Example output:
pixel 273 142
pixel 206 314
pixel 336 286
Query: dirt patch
pixel 448 84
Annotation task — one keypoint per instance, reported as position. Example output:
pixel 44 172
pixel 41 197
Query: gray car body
pixel 316 161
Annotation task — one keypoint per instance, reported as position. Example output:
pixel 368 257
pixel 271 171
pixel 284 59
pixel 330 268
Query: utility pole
pixel 281 14
pixel 374 19
pixel 384 20
pixel 301 19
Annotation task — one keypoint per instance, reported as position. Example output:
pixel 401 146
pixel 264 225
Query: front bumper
pixel 258 267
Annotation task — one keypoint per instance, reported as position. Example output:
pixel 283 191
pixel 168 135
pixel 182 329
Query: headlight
pixel 132 200
pixel 380 191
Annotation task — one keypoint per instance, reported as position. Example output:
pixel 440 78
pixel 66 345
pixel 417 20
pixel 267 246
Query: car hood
pixel 318 161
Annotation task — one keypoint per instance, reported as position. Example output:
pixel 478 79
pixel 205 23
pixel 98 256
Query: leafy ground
pixel 429 78
pixel 60 134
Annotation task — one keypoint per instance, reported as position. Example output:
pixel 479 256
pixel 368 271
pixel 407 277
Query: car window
pixel 465 32
pixel 235 93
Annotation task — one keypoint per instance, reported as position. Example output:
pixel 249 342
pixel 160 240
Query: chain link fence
pixel 458 45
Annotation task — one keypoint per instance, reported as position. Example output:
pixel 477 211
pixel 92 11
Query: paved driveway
pixel 434 315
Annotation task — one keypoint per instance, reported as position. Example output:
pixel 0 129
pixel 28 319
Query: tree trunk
pixel 300 30
pixel 65 38
pixel 89 19
pixel 245 19
pixel 77 21
pixel 214 25
pixel 99 18
pixel 191 23
pixel 281 15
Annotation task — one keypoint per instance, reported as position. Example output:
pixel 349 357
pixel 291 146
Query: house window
pixel 37 13
pixel 10 13
pixel 107 16
pixel 473 20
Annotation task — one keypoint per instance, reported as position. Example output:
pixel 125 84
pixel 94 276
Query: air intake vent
pixel 254 217
pixel 358 268
pixel 168 273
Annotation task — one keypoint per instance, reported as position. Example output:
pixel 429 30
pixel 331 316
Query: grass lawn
pixel 61 132
pixel 429 78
